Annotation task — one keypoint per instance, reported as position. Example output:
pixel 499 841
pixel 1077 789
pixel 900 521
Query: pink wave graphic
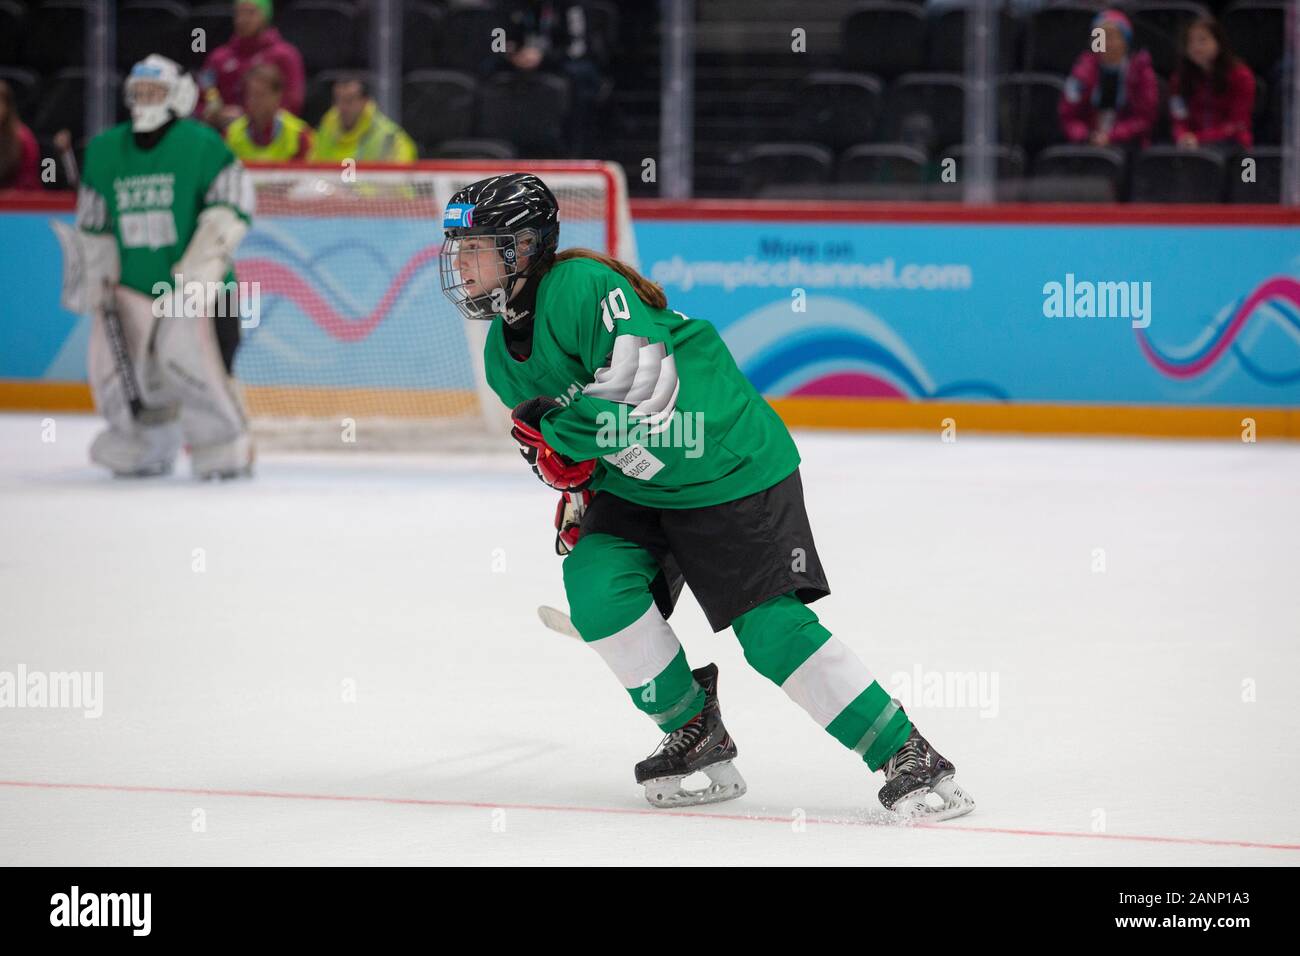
pixel 1279 287
pixel 275 278
pixel 848 385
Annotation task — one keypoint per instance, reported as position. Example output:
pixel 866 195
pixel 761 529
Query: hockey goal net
pixel 348 341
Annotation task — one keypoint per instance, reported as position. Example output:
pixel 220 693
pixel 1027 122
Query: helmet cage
pixel 179 93
pixel 508 247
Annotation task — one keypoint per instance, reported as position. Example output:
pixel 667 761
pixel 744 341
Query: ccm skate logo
pixel 102 909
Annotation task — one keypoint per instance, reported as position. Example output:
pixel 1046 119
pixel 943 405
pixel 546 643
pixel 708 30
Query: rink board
pixel 1120 320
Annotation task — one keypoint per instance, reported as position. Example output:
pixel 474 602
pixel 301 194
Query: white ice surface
pixel 1120 733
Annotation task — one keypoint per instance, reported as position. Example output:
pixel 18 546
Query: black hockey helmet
pixel 517 216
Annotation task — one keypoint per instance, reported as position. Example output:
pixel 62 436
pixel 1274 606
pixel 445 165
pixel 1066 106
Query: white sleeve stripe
pixel 649 358
pixel 658 409
pixel 640 373
pixel 615 379
pixel 233 187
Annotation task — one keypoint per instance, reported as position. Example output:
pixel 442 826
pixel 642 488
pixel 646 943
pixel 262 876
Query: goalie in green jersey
pixel 163 203
pixel 673 469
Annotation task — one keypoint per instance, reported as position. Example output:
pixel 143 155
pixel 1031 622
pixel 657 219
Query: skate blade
pixel 725 783
pixel 944 801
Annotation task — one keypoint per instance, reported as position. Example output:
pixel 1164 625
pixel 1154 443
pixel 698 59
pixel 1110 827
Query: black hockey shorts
pixel 734 556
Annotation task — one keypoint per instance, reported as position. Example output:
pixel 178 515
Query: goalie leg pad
pixel 232 459
pixel 139 452
pixel 212 412
pixel 135 313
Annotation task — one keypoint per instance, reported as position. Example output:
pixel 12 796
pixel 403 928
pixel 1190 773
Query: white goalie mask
pixel 156 90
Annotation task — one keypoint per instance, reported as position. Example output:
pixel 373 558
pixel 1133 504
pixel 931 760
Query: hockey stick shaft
pixel 121 355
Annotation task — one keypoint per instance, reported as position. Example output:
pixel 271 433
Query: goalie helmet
pixel 156 90
pixel 489 227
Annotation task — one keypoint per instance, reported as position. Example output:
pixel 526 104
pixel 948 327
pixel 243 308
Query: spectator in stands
pixel 255 42
pixel 267 132
pixel 1111 96
pixel 20 157
pixel 551 36
pixel 1212 93
pixel 353 128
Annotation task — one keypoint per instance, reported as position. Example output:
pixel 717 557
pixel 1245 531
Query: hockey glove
pixel 568 519
pixel 548 464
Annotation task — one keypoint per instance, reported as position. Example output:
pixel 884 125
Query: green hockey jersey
pixel 651 394
pixel 150 200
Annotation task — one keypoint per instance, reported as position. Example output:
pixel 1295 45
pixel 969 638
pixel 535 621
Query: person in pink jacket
pixel 1111 96
pixel 255 42
pixel 1212 94
pixel 20 156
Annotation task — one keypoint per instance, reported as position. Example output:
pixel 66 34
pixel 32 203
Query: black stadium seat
pixel 474 149
pixel 526 110
pixel 1056 35
pixel 151 26
pixel 63 103
pixel 784 163
pixel 946 42
pixel 881 163
pixel 329 34
pixel 13 27
pixel 1101 163
pixel 1267 187
pixel 27 90
pixel 925 109
pixel 438 105
pixel 466 42
pixel 1027 110
pixel 884 38
pixel 56 36
pixel 1172 174
pixel 838 109
pixel 1009 161
pixel 1256 32
pixel 421 28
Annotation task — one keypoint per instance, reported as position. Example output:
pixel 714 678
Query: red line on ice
pixel 649 811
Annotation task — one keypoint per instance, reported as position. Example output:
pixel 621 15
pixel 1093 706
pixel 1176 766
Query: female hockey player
pixel 163 204
pixel 672 467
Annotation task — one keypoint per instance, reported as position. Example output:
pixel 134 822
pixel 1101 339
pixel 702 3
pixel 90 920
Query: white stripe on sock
pixel 828 681
pixel 640 652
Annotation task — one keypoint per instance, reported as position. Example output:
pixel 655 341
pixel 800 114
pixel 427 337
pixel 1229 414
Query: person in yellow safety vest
pixel 266 133
pixel 355 129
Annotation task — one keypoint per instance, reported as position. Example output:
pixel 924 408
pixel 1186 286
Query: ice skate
pixel 704 745
pixel 920 783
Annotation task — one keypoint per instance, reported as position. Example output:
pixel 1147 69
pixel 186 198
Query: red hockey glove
pixel 547 463
pixel 568 519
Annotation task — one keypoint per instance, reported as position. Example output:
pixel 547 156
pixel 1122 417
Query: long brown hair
pixel 1192 76
pixel 10 145
pixel 651 293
